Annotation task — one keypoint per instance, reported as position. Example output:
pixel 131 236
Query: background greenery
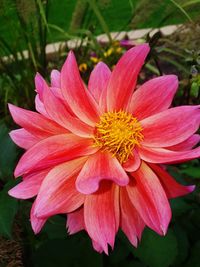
pixel 30 25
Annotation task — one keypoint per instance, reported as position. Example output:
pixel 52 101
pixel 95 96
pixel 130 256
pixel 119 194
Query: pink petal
pixel 100 166
pixel 52 151
pixel 35 123
pixel 55 78
pixel 171 126
pixel 36 223
pixel 30 185
pixel 23 139
pixel 187 144
pixel 161 155
pixel 98 82
pixel 58 193
pixel 97 247
pixel 149 199
pixel 39 106
pixel 133 163
pixel 78 98
pixel 171 187
pixel 59 113
pixel 153 96
pixel 124 77
pixel 101 215
pixel 75 221
pixel 39 85
pixel 131 223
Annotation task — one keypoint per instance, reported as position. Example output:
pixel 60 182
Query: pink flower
pixel 95 154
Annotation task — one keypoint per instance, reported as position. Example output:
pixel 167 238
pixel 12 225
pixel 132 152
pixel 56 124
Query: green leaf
pixel 155 250
pixel 183 244
pixel 179 206
pixel 8 153
pixel 55 227
pixel 8 209
pixel 192 171
pixel 73 251
pixel 194 257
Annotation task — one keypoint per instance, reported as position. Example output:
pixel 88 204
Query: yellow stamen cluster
pixel 118 133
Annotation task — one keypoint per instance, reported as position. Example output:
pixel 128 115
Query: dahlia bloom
pixel 97 153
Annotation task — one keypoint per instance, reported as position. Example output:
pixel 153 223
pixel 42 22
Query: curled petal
pixel 171 126
pixel 79 99
pixel 172 188
pixel 101 215
pixel 52 151
pixel 149 199
pixel 153 96
pixel 124 77
pixel 23 139
pixel 58 193
pixel 133 163
pixel 100 166
pixel 162 155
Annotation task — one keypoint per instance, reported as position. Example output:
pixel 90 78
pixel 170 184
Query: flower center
pixel 118 133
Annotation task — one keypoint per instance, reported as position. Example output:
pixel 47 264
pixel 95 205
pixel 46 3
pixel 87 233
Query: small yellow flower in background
pixel 95 59
pixel 116 43
pixel 118 50
pixel 108 52
pixel 83 67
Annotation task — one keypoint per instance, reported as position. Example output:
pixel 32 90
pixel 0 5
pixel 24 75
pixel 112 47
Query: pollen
pixel 118 132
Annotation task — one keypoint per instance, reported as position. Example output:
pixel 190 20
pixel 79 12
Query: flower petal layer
pixel 52 151
pixel 153 96
pixel 124 77
pixel 101 215
pixel 187 144
pixel 79 99
pixel 171 126
pixel 30 185
pixel 59 113
pixel 35 123
pixel 100 166
pixel 131 223
pixel 23 139
pixel 171 187
pixel 149 199
pixel 162 155
pixel 58 193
